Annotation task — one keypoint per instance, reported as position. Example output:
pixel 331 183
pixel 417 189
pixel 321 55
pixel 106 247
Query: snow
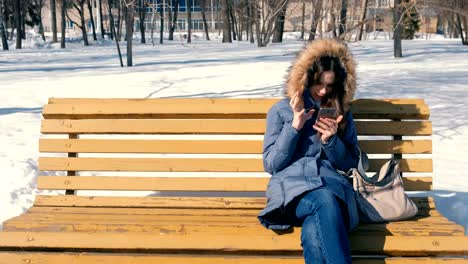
pixel 434 69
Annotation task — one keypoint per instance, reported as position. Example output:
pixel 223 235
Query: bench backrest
pixel 198 145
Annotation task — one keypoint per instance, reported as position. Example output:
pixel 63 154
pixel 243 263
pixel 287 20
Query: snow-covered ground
pixel 435 69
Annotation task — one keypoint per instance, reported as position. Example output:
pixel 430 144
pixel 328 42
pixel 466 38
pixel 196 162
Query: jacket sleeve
pixel 279 142
pixel 342 151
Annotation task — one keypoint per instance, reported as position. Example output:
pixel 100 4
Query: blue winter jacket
pixel 299 162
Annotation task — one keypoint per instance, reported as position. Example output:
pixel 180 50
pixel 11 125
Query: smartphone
pixel 327 112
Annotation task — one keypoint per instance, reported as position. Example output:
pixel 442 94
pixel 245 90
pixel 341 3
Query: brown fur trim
pixel 298 71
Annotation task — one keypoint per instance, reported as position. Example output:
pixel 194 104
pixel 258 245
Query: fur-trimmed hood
pixel 297 74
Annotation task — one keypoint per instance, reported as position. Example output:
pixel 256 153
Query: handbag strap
pixel 363 166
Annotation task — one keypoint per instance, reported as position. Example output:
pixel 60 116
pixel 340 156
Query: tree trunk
pixel 343 14
pixel 251 21
pixel 397 53
pixel 169 16
pixel 465 22
pixel 18 23
pixel 119 20
pixel 83 24
pixel 315 19
pixel 161 26
pixel 53 20
pixel 90 9
pixel 279 25
pixel 362 19
pixel 189 20
pixel 112 29
pixel 226 25
pixel 129 19
pixel 41 26
pixel 205 25
pixel 232 19
pixel 333 18
pixel 23 22
pixel 460 28
pixel 174 20
pixel 2 28
pixel 63 23
pixel 303 19
pixel 257 26
pixel 142 15
pixel 101 19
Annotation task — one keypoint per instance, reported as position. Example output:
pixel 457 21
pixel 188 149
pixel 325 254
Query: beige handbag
pixel 381 198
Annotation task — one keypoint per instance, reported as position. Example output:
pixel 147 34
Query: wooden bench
pixel 181 181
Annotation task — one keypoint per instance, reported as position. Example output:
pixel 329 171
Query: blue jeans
pixel 324 238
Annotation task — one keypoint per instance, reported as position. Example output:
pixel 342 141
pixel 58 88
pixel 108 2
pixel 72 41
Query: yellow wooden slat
pixel 185 226
pixel 169 202
pixel 163 108
pixel 426 206
pixel 243 184
pixel 391 245
pixel 396 146
pixel 151 146
pixel 152 164
pixel 408 128
pixel 216 108
pixel 11 257
pixel 220 101
pixel 192 164
pixel 406 165
pixel 397 109
pixel 211 126
pixel 155 126
pixel 157 202
pixel 210 146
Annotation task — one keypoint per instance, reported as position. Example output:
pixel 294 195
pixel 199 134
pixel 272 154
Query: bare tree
pixel 226 24
pixel 53 20
pixel 267 12
pixel 112 28
pixel 343 14
pixel 232 18
pixel 161 25
pixel 18 23
pixel 129 19
pixel 315 19
pixel 205 25
pixel 39 4
pixel 460 28
pixel 303 19
pixel 91 17
pixel 80 9
pixel 63 11
pixel 279 25
pixel 250 21
pixel 173 21
pixel 397 53
pixel 362 19
pixel 2 27
pixel 142 16
pixel 101 19
pixel 189 20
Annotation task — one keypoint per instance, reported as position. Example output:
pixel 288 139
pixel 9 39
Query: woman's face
pixel 319 90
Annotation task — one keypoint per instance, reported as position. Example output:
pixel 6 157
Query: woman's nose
pixel 323 90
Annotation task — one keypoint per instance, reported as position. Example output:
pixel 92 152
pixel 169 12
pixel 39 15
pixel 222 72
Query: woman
pixel 303 154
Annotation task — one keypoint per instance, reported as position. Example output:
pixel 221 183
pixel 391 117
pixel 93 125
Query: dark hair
pixel 336 97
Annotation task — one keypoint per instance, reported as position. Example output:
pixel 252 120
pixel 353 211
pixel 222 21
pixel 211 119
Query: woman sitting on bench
pixel 303 153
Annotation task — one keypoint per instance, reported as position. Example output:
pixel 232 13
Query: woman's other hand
pixel 300 115
pixel 327 127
